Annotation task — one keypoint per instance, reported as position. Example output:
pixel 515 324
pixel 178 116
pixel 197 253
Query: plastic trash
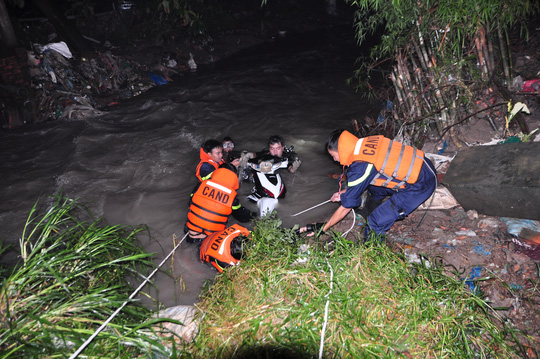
pixel 158 79
pixel 191 63
pixel 60 47
pixel 481 249
pixel 442 199
pixel 516 225
pixel 511 139
pixel 414 258
pixel 439 160
pixel 531 85
pixel 187 315
pixel 515 286
pixel 443 148
pixel 475 273
pixel 467 232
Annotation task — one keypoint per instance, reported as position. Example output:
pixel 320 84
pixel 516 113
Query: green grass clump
pixel 379 305
pixel 73 276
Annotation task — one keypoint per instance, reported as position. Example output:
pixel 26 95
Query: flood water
pixel 135 164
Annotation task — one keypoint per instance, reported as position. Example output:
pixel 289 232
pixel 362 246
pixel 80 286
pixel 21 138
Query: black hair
pixel 209 145
pixel 332 140
pixel 237 247
pixel 276 139
pixel 228 166
pixel 227 138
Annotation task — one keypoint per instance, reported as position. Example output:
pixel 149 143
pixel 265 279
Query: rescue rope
pixel 323 331
pixel 352 225
pixel 89 340
pixel 310 208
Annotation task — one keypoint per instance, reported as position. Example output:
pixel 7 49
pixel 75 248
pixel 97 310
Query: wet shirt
pixel 206 170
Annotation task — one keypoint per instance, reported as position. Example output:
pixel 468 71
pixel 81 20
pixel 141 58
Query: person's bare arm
pixel 338 215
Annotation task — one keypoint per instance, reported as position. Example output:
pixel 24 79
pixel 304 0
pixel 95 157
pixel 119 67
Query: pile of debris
pixel 62 86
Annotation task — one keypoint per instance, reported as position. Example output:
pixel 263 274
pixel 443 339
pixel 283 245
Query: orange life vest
pixel 216 248
pixel 397 163
pixel 205 158
pixel 212 203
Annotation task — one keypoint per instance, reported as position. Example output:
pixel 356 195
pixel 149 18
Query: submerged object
pixel 501 180
pixel 187 315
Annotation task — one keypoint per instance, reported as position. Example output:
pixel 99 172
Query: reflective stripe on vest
pixel 198 169
pixel 218 186
pixel 206 177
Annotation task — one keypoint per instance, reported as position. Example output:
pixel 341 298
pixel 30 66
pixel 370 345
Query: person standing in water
pixel 211 157
pixel 212 202
pixel 277 148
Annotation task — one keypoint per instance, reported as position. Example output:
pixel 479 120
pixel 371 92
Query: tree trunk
pixel 491 59
pixel 7 34
pixel 66 30
pixel 504 56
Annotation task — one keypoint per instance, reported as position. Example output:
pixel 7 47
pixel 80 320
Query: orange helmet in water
pixel 224 248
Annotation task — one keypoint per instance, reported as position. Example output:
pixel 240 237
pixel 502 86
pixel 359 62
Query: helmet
pixel 225 248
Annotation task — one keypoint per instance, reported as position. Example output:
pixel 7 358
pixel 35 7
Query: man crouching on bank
pixel 385 168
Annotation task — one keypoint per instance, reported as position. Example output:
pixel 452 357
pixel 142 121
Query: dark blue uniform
pixel 401 202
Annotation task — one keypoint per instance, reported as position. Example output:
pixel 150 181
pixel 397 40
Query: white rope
pixel 323 331
pixel 310 208
pixel 89 340
pixel 352 225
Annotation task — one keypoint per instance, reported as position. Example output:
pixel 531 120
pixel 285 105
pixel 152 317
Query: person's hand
pixel 312 228
pixel 304 229
pixel 294 167
pixel 245 157
pixel 336 197
pixel 236 162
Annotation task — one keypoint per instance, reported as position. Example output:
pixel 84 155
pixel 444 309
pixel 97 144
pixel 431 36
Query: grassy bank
pixel 366 301
pixel 286 300
pixel 73 276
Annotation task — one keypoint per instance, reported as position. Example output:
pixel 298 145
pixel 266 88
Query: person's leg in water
pixel 193 236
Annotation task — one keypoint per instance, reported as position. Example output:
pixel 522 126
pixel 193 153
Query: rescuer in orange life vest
pixel 211 155
pixel 385 168
pixel 225 248
pixel 212 201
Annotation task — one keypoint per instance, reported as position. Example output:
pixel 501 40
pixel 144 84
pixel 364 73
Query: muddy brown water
pixel 135 163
